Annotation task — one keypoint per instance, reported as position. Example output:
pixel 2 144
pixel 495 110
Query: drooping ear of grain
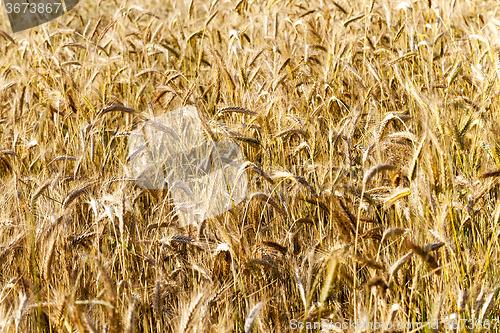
pixel 188 316
pixel 157 297
pixel 343 219
pixel 392 232
pixel 237 109
pixel 332 270
pixel 49 256
pixel 21 311
pixel 395 196
pixel 300 286
pixel 251 166
pixel 399 263
pixel 455 71
pixel 39 191
pixel 130 323
pixel 369 262
pixel 267 199
pixel 75 194
pixel 252 316
pixel 376 169
pixel 490 174
pixel 427 257
pixel 273 245
pixel 377 281
pixel 111 295
pixel 489 302
pixel 496 54
pixel 462 298
pixel 15 242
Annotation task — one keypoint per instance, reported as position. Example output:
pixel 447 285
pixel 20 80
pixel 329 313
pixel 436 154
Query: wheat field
pixel 370 137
